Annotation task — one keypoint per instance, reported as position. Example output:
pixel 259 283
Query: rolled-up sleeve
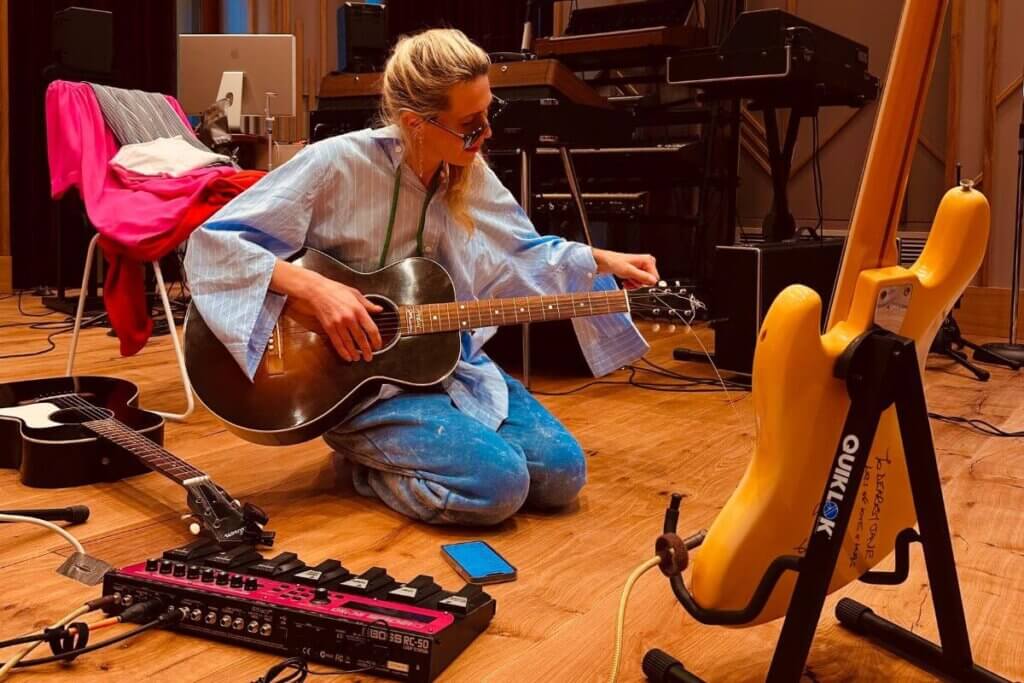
pixel 230 259
pixel 512 259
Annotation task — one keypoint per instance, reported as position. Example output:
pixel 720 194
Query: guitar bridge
pixel 274 356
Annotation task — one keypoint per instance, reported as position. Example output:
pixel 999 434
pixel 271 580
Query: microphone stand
pixel 1011 353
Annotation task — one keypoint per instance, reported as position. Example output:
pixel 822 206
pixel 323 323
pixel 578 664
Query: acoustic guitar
pixel 303 387
pixel 800 404
pixel 71 431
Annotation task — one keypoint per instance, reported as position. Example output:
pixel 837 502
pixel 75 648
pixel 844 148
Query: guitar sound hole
pixel 387 321
pixel 74 416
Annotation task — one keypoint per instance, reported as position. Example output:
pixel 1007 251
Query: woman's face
pixel 468 105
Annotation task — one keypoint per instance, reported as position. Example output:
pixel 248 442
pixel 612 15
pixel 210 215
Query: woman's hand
pixel 635 270
pixel 342 311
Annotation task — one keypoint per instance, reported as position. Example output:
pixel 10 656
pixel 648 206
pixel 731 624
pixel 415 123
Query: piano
pixel 778 60
pixel 624 35
pixel 548 106
pixel 775 58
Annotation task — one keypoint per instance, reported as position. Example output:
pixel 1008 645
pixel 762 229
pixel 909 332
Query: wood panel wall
pixel 5 169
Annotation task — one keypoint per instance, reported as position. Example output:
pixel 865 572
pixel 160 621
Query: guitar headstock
pixel 224 519
pixel 669 302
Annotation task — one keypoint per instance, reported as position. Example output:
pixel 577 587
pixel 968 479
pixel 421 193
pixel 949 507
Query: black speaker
pixel 747 279
pixel 362 37
pixel 83 40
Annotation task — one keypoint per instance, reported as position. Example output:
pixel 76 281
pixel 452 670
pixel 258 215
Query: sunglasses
pixel 472 137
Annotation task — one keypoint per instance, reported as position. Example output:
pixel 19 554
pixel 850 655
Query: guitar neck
pixel 156 457
pixel 468 315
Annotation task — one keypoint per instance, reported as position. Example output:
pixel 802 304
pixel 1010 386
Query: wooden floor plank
pixel 556 622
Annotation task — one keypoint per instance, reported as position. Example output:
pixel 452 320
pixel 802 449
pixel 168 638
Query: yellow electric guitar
pixel 800 405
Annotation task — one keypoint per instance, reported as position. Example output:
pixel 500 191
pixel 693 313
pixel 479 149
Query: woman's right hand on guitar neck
pixel 342 311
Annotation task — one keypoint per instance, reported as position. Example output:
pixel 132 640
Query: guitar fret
pixel 467 315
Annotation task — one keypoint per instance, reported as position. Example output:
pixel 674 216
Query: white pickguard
pixel 34 415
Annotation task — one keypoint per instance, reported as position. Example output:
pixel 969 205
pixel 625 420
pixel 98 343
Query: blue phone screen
pixel 478 559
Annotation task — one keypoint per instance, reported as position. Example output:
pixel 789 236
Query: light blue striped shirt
pixel 335 196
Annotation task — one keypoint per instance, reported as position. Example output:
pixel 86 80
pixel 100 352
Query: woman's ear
pixel 411 121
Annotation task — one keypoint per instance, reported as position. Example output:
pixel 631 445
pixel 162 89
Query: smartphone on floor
pixel 478 562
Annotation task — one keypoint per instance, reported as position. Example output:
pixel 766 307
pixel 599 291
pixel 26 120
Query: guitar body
pixel 42 437
pixel 302 387
pixel 801 407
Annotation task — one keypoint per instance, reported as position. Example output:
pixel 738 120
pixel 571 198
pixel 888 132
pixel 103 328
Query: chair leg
pixel 172 330
pixel 82 296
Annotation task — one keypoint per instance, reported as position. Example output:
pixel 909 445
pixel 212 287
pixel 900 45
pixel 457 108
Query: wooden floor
pixel 556 622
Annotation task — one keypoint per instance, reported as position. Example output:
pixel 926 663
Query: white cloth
pixel 165 157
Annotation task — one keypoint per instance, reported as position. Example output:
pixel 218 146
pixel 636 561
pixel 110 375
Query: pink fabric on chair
pixel 80 146
pixel 126 208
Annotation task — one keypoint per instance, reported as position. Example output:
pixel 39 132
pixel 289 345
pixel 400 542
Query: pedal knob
pixel 207 575
pixel 222 578
pixel 321 596
pixel 237 581
pixel 152 565
pixel 166 566
pixel 179 569
pixel 193 571
pixel 251 583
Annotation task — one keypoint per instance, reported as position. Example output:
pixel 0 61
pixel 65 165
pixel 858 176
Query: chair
pixel 172 330
pixel 78 153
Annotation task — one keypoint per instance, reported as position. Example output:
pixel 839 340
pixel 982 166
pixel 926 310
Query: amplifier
pixel 748 277
pixel 324 613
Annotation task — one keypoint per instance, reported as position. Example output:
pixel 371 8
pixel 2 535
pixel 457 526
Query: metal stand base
pixel 1010 355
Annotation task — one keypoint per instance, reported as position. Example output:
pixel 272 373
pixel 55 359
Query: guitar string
pixel 132 440
pixel 600 304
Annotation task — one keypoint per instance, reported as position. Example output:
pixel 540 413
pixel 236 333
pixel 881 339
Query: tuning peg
pixel 671 329
pixel 656 328
pixel 193 526
pixel 662 283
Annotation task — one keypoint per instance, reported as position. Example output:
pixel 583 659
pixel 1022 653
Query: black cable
pixel 976 424
pixel 301 666
pixel 163 619
pixel 31 315
pixel 688 385
pixel 301 671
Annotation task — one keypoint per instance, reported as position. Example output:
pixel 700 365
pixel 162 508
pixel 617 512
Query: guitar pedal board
pixel 323 613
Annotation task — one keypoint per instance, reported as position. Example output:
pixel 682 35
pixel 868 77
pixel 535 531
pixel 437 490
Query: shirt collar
pixel 390 139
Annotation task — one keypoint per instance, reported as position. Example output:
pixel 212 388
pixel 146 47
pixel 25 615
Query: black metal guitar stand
pixel 950 342
pixel 880 369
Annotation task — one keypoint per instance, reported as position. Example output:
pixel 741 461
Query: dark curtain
pixel 495 26
pixel 144 57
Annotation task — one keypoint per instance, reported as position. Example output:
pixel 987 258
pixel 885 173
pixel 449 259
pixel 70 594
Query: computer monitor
pixel 212 65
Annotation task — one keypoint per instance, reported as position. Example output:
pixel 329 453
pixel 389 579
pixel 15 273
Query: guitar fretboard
pixel 156 457
pixel 468 315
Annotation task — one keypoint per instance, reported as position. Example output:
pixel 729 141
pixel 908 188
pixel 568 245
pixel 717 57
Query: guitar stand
pixel 950 342
pixel 880 369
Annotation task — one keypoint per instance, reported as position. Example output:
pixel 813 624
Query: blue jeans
pixel 421 456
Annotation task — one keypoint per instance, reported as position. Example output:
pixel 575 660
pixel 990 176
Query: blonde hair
pixel 420 71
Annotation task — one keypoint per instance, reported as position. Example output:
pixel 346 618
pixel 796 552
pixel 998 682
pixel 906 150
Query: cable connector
pixel 141 612
pixel 172 616
pixel 101 602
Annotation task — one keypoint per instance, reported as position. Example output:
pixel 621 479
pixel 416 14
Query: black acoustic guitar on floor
pixel 71 431
pixel 302 387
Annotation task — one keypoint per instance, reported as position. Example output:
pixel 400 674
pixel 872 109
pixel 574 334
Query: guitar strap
pixel 431 191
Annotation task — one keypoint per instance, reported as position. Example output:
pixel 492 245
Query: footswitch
pixel 325 613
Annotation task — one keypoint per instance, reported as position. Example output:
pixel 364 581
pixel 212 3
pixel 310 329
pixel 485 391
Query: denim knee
pixel 558 472
pixel 496 490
